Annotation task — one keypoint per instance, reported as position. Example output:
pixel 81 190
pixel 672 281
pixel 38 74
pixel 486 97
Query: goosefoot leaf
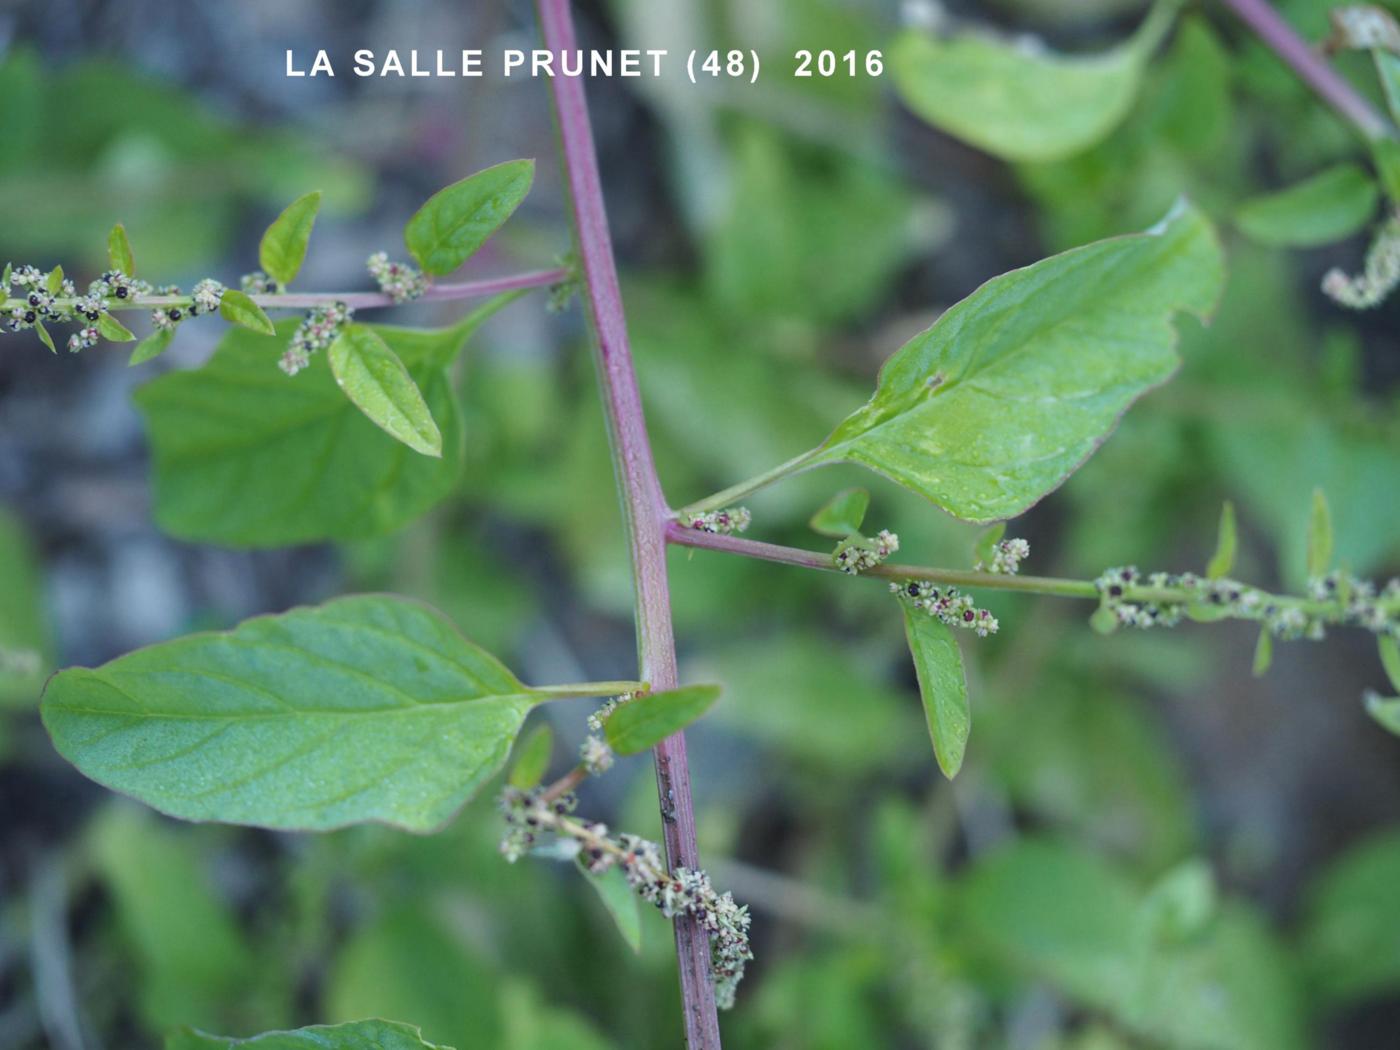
pixel 942 685
pixel 643 723
pixel 368 708
pixel 458 220
pixel 246 456
pixel 1223 560
pixel 842 514
pixel 238 308
pixel 119 252
pixel 1319 210
pixel 283 246
pixel 357 1035
pixel 113 330
pixel 155 344
pixel 377 382
pixel 1319 536
pixel 620 900
pixel 1013 388
pixel 532 758
pixel 1017 104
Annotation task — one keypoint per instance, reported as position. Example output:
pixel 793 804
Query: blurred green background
pixel 1147 846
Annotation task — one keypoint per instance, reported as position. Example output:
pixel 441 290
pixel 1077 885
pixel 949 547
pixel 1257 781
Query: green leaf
pixel 1223 560
pixel 119 252
pixel 1104 621
pixel 458 220
pixel 374 378
pixel 842 514
pixel 1385 155
pixel 238 308
pixel 364 709
pixel 1351 925
pixel 54 282
pixel 283 247
pixel 1385 710
pixel 112 329
pixel 1319 536
pixel 44 337
pixel 1263 653
pixel 1319 210
pixel 184 940
pixel 247 456
pixel 152 346
pixel 532 757
pixel 1015 386
pixel 1390 660
pixel 942 685
pixel 25 645
pixel 984 550
pixel 620 900
pixel 1020 104
pixel 357 1035
pixel 646 721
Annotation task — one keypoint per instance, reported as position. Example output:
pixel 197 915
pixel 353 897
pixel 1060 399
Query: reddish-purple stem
pixel 1310 66
pixel 644 505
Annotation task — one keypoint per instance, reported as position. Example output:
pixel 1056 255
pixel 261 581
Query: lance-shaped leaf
pixel 283 247
pixel 374 378
pixel 370 708
pixel 246 456
pixel 1390 660
pixel 532 758
pixel 1022 104
pixel 112 329
pixel 458 220
pixel 357 1035
pixel 1319 535
pixel 155 344
pixel 238 308
pixel 1015 386
pixel 942 685
pixel 1324 208
pixel 1385 710
pixel 646 721
pixel 119 252
pixel 842 514
pixel 620 900
pixel 1223 560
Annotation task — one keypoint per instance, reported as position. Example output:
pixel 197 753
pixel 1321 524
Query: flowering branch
pixel 644 506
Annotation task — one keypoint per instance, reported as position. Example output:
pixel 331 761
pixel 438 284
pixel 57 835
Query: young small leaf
pixel 458 220
pixel 44 337
pixel 1104 621
pixel 152 346
pixel 646 721
pixel 237 308
pixel 369 708
pixel 984 550
pixel 1263 653
pixel 374 378
pixel 113 330
pixel 1319 536
pixel 620 900
pixel 842 514
pixel 54 283
pixel 1021 105
pixel 357 1035
pixel 1390 660
pixel 942 685
pixel 283 247
pixel 1324 208
pixel 1385 710
pixel 119 252
pixel 1223 560
pixel 532 758
pixel 1013 388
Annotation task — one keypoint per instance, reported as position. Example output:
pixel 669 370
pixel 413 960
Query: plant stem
pixel 1311 67
pixel 644 505
pixel 358 300
pixel 734 493
pixel 581 689
pixel 1049 585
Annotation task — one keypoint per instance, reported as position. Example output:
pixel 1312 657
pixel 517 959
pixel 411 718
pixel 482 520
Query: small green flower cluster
pixel 316 332
pixel 721 522
pixel 857 553
pixel 948 605
pixel 1113 587
pixel 40 297
pixel 686 892
pixel 595 754
pixel 1006 558
pixel 1379 277
pixel 399 281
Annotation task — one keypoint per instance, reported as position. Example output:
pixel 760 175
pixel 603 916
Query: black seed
pixel 121 293
pixel 1115 591
pixel 967 616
